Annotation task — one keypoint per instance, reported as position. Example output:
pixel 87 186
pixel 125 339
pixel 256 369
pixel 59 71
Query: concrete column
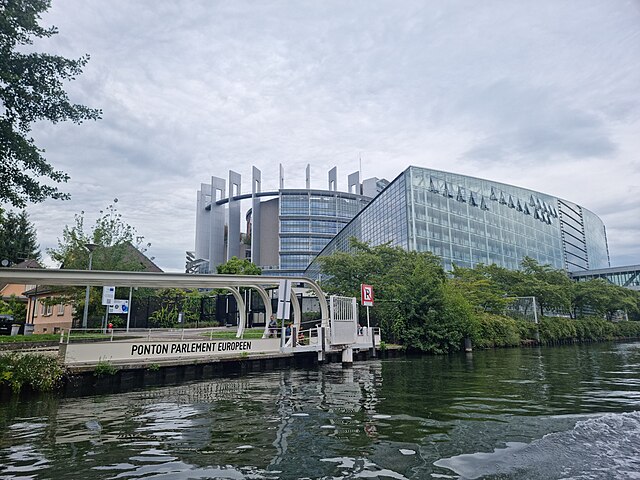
pixel 233 230
pixel 203 222
pixel 308 176
pixel 256 188
pixel 354 183
pixel 281 177
pixel 216 224
pixel 347 357
pixel 333 179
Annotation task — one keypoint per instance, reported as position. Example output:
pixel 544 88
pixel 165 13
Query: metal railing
pixel 146 334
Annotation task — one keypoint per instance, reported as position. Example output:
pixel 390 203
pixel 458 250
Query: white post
pixel 129 309
pixel 347 357
pixel 86 297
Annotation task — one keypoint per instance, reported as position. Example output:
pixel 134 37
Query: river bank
pixel 32 367
pixel 28 374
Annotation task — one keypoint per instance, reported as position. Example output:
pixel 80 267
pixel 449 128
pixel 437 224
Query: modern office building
pixel 285 228
pixel 467 221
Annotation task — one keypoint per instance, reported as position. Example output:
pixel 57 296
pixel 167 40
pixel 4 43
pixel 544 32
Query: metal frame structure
pixel 232 283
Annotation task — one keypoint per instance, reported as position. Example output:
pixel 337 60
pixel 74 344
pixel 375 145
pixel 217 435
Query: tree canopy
pixel 113 240
pixel 423 308
pixel 413 303
pixel 112 236
pixel 235 266
pixel 31 90
pixel 18 240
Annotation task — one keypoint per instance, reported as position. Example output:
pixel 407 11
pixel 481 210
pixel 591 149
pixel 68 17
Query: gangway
pixel 337 330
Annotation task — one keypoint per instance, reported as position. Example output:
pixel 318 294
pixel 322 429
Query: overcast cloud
pixel 544 95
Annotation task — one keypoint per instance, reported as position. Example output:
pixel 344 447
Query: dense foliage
pixel 176 301
pixel 115 243
pixel 31 90
pixel 422 308
pixel 236 266
pixel 41 373
pixel 18 239
pixel 13 306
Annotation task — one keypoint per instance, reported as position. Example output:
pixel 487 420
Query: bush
pixel 40 372
pixel 496 331
pixel 585 329
pixel 104 368
pixel 627 329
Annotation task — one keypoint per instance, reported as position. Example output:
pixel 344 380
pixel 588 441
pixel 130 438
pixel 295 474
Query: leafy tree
pixel 114 239
pixel 346 271
pixel 235 266
pixel 413 302
pixel 17 237
pixel 480 290
pixel 14 307
pixel 31 90
pixel 551 287
pixel 608 300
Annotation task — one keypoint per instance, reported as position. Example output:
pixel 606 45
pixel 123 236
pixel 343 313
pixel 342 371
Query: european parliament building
pixel 467 221
pixel 285 228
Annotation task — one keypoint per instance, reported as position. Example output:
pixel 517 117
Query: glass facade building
pixel 467 221
pixel 285 228
pixel 308 220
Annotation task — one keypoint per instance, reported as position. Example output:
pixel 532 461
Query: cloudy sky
pixel 544 95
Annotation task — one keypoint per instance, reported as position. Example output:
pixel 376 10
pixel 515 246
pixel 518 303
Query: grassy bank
pixel 50 337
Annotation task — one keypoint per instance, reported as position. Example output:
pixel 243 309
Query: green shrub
pixel 40 372
pixel 627 329
pixel 496 331
pixel 104 368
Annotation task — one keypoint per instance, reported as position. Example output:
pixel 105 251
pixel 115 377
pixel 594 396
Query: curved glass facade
pixel 467 221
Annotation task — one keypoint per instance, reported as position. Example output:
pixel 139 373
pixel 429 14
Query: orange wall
pixel 51 320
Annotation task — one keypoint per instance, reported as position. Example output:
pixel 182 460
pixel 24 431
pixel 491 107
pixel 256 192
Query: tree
pixel 13 306
pixel 413 303
pixel 31 89
pixel 116 243
pixel 17 237
pixel 480 290
pixel 235 266
pixel 113 237
pixel 551 287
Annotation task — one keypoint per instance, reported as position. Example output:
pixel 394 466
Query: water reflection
pixel 410 418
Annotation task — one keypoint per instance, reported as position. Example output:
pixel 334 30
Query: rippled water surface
pixel 564 412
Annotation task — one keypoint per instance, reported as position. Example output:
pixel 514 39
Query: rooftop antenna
pixel 360 170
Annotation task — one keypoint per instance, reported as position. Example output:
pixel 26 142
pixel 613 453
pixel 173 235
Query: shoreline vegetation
pixel 427 310
pixel 40 373
pixel 424 309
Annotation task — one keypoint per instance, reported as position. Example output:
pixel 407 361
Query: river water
pixel 541 413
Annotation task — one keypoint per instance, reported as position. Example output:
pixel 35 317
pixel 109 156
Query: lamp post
pixel 91 247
